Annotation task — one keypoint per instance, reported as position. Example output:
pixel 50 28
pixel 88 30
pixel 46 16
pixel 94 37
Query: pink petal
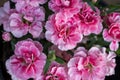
pixel 7 7
pixel 106 36
pixel 81 51
pixel 114 45
pixel 19 33
pixel 36 29
pixel 73 62
pixel 94 51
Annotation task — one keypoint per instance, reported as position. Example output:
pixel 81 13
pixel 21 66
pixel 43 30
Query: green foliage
pixel 59 60
pixel 46 67
pixel 51 55
pixel 118 52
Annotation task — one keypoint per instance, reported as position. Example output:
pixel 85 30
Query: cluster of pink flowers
pixel 112 33
pixel 71 21
pixel 28 62
pixel 66 31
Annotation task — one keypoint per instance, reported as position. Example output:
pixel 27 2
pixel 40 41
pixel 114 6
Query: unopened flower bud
pixel 94 1
pixel 6 36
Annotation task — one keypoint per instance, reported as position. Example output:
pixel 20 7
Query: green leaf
pixel 118 52
pixel 97 2
pixel 59 60
pixel 113 8
pixel 91 4
pixel 46 67
pixel 13 42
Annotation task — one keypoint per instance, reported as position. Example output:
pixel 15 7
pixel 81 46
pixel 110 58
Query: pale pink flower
pixel 20 26
pixel 27 19
pixel 90 20
pixel 72 6
pixel 5 12
pixel 31 2
pixel 112 34
pixel 91 65
pixel 56 72
pixel 31 13
pixel 27 62
pixel 112 18
pixel 6 36
pixel 63 31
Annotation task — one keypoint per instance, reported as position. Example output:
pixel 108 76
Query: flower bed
pixel 59 40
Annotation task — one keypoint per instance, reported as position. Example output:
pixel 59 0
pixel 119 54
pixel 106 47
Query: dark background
pixel 5 52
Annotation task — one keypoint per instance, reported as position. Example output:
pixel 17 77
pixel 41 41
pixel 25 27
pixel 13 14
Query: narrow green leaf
pixel 46 67
pixel 91 4
pixel 118 52
pixel 59 60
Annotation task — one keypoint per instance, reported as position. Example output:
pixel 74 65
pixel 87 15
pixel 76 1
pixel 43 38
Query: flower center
pixel 28 59
pixel 64 33
pixel 53 77
pixel 26 21
pixel 115 32
pixel 88 67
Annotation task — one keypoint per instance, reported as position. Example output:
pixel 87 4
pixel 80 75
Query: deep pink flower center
pixel 29 59
pixel 89 63
pixel 86 18
pixel 64 32
pixel 25 60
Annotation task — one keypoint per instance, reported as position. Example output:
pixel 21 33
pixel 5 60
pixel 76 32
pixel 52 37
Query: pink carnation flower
pixel 26 19
pixel 31 13
pixel 63 31
pixel 72 6
pixel 31 2
pixel 112 34
pixel 91 65
pixel 56 72
pixel 112 18
pixel 90 20
pixel 27 62
pixel 20 26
